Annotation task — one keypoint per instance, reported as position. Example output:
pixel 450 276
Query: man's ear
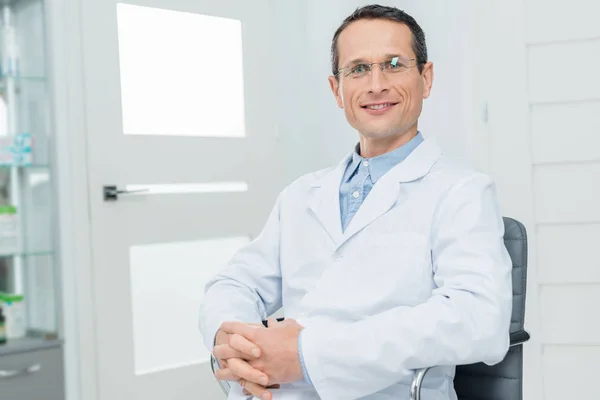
pixel 427 76
pixel 334 84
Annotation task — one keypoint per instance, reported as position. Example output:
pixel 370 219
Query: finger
pixel 290 321
pixel 226 352
pixel 272 322
pixel 243 345
pixel 225 374
pixel 240 328
pixel 257 390
pixel 242 369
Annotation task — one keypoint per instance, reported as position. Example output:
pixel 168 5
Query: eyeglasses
pixel 393 66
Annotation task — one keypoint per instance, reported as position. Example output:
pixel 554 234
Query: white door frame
pixel 71 183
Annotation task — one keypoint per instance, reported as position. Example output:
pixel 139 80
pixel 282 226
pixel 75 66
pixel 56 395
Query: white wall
pixel 563 55
pixel 542 147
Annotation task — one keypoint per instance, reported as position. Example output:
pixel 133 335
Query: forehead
pixel 372 39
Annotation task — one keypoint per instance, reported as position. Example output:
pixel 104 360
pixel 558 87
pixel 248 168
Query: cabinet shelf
pixel 30 166
pixel 22 83
pixel 26 344
pixel 27 254
pixel 24 78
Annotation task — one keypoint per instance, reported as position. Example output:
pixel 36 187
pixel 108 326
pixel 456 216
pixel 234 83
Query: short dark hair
pixel 376 11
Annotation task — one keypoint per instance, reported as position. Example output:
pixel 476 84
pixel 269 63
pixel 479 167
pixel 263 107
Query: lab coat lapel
pixel 389 190
pixel 324 201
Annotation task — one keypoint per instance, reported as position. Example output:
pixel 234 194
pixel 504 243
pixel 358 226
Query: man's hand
pixel 223 351
pixel 279 350
pixel 233 352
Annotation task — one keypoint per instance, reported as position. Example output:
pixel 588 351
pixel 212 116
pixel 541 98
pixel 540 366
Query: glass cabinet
pixel 28 276
pixel 31 351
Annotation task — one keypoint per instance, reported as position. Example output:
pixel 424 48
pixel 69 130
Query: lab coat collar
pixel 325 199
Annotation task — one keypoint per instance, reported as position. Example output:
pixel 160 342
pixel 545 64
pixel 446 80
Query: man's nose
pixel 379 80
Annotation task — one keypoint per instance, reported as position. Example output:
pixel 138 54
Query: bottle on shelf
pixel 9 228
pixel 14 314
pixel 2 327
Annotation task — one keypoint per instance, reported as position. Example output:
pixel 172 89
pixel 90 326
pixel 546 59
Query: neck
pixel 373 147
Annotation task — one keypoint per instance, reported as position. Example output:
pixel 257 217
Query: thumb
pixel 291 322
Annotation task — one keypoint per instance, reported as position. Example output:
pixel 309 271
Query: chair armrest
pixel 214 365
pixel 415 387
pixel 518 337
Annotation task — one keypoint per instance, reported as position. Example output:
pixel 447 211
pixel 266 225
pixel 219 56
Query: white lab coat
pixel 420 278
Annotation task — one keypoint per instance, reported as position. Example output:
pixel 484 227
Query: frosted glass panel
pixel 167 287
pixel 181 73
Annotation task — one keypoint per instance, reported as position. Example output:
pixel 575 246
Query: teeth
pixel 379 106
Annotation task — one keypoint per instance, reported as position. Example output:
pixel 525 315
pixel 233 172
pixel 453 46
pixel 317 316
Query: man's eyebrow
pixel 356 61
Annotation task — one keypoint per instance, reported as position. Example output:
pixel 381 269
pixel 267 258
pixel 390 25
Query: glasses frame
pixel 382 64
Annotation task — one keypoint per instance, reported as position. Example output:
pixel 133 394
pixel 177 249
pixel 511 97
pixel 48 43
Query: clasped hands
pixel 258 358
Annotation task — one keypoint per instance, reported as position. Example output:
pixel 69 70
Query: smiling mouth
pixel 377 107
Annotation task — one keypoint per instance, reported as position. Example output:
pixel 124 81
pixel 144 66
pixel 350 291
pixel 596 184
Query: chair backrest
pixel 503 381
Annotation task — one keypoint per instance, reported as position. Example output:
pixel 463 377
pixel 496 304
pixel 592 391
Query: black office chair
pixel 503 381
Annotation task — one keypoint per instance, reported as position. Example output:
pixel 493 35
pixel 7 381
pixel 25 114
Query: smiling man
pixel 391 261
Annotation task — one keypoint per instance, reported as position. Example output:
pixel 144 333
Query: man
pixel 389 262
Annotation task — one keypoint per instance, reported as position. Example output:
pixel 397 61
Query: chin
pixel 380 133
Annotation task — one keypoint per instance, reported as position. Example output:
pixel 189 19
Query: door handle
pixel 6 374
pixel 111 192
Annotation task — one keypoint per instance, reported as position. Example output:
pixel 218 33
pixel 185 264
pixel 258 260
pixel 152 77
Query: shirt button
pixel 355 195
pixel 366 163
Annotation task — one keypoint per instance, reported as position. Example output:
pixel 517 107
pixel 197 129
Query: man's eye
pixel 396 65
pixel 359 69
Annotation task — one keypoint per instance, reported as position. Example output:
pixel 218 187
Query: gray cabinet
pixel 32 375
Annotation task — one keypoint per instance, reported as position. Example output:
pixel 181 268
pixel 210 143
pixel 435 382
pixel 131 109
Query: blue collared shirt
pixel 358 180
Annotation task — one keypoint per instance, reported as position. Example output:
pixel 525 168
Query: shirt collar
pixel 380 165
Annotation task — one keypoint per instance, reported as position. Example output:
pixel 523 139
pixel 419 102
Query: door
pixel 183 160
